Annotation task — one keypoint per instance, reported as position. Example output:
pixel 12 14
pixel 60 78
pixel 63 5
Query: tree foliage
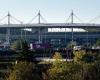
pixel 78 55
pixel 98 42
pixel 23 71
pixel 16 45
pixel 25 53
pixel 83 56
pixel 20 44
pixel 84 67
pixel 65 71
pixel 71 44
pixel 57 55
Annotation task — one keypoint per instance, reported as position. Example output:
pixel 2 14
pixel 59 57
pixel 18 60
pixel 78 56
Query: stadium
pixel 45 39
pixel 50 33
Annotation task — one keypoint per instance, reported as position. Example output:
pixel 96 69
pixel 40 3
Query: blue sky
pixel 52 10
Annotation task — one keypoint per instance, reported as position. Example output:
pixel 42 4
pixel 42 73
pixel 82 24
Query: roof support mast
pixel 8 31
pixel 8 18
pixel 39 15
pixel 72 23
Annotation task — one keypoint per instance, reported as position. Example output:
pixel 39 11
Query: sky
pixel 53 11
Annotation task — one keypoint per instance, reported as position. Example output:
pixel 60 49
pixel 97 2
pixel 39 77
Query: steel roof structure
pixel 52 25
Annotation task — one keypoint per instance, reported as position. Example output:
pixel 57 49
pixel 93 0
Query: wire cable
pixel 68 18
pixel 43 19
pixel 3 18
pixel 78 18
pixel 16 19
pixel 94 19
pixel 33 19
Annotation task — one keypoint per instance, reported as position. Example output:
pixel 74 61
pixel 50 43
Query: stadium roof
pixel 52 25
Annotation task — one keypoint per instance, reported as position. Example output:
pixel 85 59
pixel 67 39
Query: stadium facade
pixel 53 33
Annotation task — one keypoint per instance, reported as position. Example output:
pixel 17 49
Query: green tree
pixel 82 68
pixel 20 44
pixel 17 45
pixel 26 53
pixel 61 70
pixel 65 71
pixel 23 71
pixel 82 56
pixel 71 44
pixel 91 71
pixel 98 42
pixel 57 55
pixel 78 55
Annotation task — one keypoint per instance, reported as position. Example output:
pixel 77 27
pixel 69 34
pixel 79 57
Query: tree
pixel 20 44
pixel 61 70
pixel 23 71
pixel 82 56
pixel 65 71
pixel 25 53
pixel 91 71
pixel 71 44
pixel 98 42
pixel 78 55
pixel 57 55
pixel 17 45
